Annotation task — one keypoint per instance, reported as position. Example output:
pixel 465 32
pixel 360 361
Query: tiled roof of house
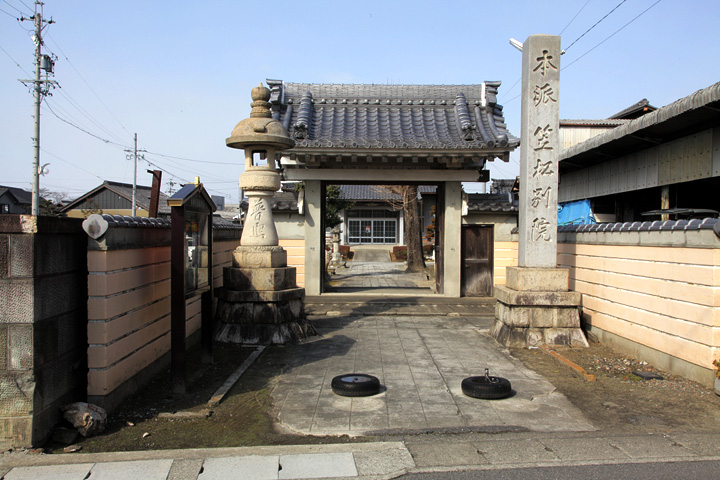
pixel 634 111
pixel 125 191
pixel 286 201
pixel 376 192
pixel 491 202
pixel 392 117
pixel 23 197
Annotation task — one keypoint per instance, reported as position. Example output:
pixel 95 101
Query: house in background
pixel 115 198
pixel 667 158
pixel 15 200
pixel 649 287
pixel 377 217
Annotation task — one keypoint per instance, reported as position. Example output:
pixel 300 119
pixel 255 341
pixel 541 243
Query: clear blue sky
pixel 179 73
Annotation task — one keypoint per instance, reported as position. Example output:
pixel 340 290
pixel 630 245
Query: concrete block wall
pixel 129 305
pixel 43 295
pixel 652 290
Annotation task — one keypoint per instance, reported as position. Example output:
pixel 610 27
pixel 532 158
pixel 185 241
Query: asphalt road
pixel 700 470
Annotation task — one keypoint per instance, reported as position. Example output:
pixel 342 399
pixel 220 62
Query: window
pixel 4 208
pixel 372 231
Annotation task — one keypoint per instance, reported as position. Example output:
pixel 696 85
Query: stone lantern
pixel 261 137
pixel 260 302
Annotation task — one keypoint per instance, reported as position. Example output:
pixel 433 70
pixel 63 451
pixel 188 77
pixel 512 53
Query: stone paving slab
pixel 261 468
pixel 50 472
pixel 145 469
pixel 421 362
pixel 317 466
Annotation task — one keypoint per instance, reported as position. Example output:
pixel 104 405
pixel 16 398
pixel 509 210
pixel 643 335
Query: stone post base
pixel 260 302
pixel 535 308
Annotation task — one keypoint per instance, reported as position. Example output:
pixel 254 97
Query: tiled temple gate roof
pixel 463 120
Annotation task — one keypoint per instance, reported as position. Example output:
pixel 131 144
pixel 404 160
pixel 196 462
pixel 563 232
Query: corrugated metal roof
pixel 680 118
pixel 603 122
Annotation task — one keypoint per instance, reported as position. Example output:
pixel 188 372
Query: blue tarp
pixel 575 213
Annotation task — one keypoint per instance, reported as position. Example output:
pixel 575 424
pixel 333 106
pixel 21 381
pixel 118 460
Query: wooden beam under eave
pixel 382 175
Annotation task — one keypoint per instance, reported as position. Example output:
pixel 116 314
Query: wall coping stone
pixel 657 225
pixel 14 223
pixel 670 233
pixel 127 232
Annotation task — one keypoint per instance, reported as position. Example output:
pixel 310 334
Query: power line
pixel 612 35
pixel 80 128
pixel 596 24
pixel 88 84
pixel 17 9
pixel 192 159
pixel 194 172
pixel 87 115
pixel 15 62
pixel 513 86
pixel 573 19
pixel 8 13
pixel 26 5
pixel 71 164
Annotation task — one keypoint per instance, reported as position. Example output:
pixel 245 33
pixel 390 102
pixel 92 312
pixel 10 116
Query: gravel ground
pixel 619 400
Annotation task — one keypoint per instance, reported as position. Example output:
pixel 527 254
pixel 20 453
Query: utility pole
pixel 40 89
pixel 133 155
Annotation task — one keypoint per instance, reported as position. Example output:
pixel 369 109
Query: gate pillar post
pixel 314 257
pixel 535 307
pixel 452 239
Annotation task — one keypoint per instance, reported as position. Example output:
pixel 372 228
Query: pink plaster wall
pixel 129 311
pixel 665 298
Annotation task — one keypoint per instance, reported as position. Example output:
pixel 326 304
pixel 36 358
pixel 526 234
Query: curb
pixel 574 366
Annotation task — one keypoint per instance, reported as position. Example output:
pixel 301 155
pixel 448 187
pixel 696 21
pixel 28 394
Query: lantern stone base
pixel 260 305
pixel 535 308
pixel 260 257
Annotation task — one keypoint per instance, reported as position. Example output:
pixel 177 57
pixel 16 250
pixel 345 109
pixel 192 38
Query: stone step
pixel 352 305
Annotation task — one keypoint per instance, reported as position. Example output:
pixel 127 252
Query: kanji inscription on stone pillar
pixel 539 151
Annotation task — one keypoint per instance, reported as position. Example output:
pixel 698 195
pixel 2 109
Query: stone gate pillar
pixel 314 256
pixel 535 306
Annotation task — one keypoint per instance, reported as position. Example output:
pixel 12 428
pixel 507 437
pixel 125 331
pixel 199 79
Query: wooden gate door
pixel 477 258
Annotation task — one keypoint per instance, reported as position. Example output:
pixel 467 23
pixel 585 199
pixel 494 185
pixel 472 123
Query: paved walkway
pixel 372 272
pixel 420 361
